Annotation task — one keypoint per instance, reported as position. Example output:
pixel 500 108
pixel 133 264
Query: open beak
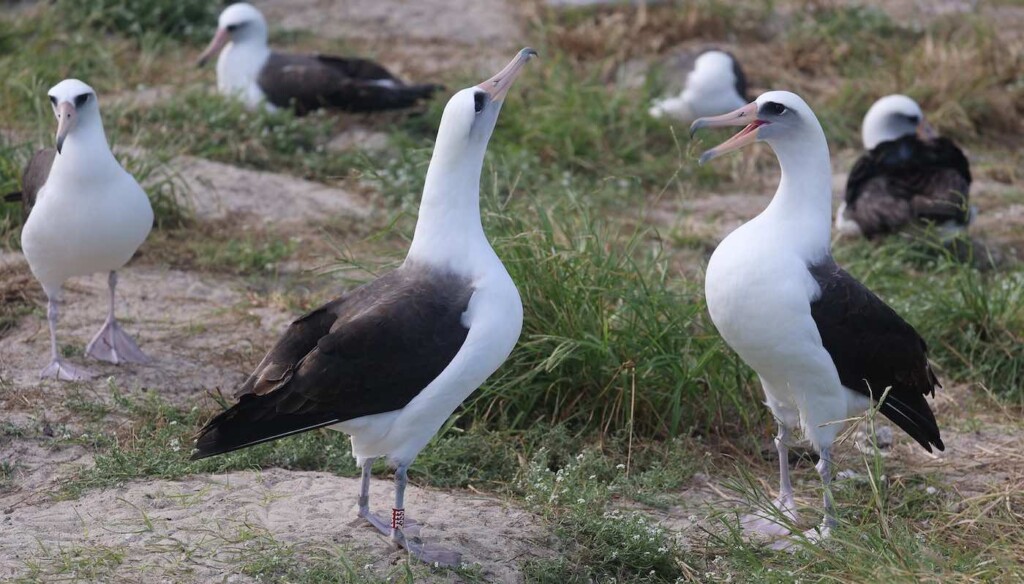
pixel 925 131
pixel 499 85
pixel 66 119
pixel 219 40
pixel 745 116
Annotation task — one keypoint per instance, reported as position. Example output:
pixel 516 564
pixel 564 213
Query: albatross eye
pixel 773 108
pixel 479 100
pixel 81 99
pixel 232 27
pixel 53 100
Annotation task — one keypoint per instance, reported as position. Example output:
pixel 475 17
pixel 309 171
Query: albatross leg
pixel 773 524
pixel 429 554
pixel 824 468
pixel 111 343
pixel 364 501
pixel 58 368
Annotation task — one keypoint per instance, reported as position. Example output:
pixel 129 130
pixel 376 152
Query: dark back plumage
pixel 741 79
pixel 873 349
pixel 367 352
pixel 906 181
pixel 33 178
pixel 309 82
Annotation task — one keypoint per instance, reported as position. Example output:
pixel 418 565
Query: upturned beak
pixel 926 131
pixel 219 40
pixel 499 85
pixel 67 117
pixel 745 116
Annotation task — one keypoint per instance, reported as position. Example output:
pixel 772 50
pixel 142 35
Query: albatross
pixel 86 214
pixel 823 345
pixel 714 86
pixel 908 175
pixel 248 70
pixel 388 362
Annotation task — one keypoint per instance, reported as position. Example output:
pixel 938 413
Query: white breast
pixel 238 69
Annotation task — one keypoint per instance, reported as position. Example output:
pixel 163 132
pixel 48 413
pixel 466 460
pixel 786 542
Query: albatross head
pixel 74 104
pixel 239 23
pixel 893 117
pixel 471 114
pixel 779 118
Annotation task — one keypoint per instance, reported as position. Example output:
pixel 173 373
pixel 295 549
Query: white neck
pixel 802 207
pixel 85 152
pixel 448 230
pixel 239 66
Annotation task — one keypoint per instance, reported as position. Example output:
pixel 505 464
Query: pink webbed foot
pixel 113 345
pixel 64 371
pixel 772 523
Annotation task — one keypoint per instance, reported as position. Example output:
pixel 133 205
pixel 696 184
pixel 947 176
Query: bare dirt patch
pixel 210 526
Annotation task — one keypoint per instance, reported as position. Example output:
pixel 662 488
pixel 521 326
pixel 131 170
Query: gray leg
pixel 824 467
pixel 58 368
pixel 111 343
pixel 775 524
pixel 417 549
pixel 364 500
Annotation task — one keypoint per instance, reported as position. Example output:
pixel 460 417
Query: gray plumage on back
pixel 33 178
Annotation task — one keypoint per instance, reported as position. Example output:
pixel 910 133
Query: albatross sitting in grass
pixel 86 214
pixel 388 363
pixel 907 176
pixel 824 346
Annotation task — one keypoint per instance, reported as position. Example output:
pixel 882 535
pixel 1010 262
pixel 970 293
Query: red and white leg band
pixel 397 518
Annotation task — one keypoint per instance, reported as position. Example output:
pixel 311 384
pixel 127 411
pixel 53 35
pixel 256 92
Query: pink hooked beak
pixel 67 116
pixel 219 40
pixel 499 85
pixel 744 116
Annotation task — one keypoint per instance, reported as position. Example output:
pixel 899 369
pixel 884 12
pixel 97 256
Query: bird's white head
pixel 713 71
pixel 471 114
pixel 75 106
pixel 240 24
pixel 893 117
pixel 779 118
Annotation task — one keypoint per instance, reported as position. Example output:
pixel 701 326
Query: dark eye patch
pixel 479 100
pixel 53 100
pixel 914 119
pixel 773 108
pixel 233 27
pixel 81 99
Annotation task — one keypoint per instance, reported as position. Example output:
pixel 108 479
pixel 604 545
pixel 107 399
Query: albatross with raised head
pixel 86 214
pixel 824 346
pixel 388 363
pixel 908 175
pixel 248 70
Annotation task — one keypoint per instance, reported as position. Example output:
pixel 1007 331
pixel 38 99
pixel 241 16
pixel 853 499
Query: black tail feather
pixel 916 419
pixel 13 197
pixel 242 426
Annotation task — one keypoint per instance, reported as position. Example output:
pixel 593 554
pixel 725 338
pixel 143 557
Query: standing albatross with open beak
pixel 824 346
pixel 87 215
pixel 388 362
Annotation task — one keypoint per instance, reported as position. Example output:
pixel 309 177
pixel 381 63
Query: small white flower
pixel 620 466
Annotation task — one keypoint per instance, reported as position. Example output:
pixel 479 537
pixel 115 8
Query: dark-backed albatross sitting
pixel 822 344
pixel 714 86
pixel 388 362
pixel 86 215
pixel 248 70
pixel 907 175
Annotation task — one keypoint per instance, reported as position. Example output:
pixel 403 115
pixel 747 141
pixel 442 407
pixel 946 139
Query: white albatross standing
pixel 822 344
pixel 388 362
pixel 89 216
pixel 716 85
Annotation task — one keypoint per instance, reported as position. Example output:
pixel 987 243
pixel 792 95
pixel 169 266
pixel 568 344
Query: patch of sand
pixel 204 527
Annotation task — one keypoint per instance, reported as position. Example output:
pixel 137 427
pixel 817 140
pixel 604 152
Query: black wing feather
pixel 368 352
pixel 33 178
pixel 908 180
pixel 309 82
pixel 874 349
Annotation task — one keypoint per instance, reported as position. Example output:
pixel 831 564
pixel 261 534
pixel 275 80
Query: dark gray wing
pixel 309 82
pixel 33 178
pixel 873 349
pixel 906 181
pixel 368 352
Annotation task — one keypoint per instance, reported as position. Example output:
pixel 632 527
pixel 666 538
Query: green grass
pixel 193 20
